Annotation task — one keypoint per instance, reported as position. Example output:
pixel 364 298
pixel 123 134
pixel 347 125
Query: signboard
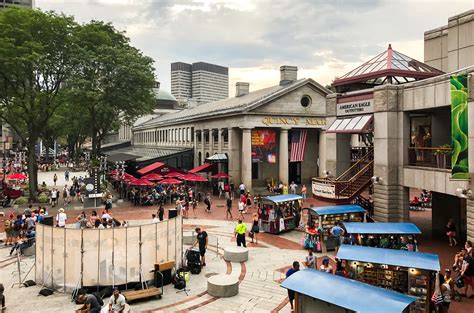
pixel 263 145
pixel 355 107
pixel 293 121
pixel 459 127
pixel 324 190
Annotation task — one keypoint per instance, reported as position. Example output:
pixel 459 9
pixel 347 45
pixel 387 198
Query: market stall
pixel 400 236
pixel 317 291
pixel 321 220
pixel 411 273
pixel 279 213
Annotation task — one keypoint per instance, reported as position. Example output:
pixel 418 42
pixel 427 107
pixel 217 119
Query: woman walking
pixel 255 228
pixel 451 232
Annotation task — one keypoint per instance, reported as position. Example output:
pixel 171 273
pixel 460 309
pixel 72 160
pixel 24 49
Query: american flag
pixel 297 145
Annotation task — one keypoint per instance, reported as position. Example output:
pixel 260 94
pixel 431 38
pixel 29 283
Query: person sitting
pixel 117 302
pixel 91 305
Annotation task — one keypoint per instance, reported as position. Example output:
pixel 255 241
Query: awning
pixel 150 168
pixel 382 228
pixel 218 157
pixel 283 198
pixel 357 296
pixel 206 167
pixel 356 124
pixel 121 157
pixel 418 260
pixel 338 209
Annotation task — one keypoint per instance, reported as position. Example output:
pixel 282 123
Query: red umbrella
pixel 141 182
pixel 17 176
pixel 220 175
pixel 195 178
pixel 152 177
pixel 170 181
pixel 174 175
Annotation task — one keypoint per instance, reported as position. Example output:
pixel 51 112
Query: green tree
pixel 37 55
pixel 113 82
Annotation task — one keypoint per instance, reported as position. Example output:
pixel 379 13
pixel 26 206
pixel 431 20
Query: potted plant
pixel 441 155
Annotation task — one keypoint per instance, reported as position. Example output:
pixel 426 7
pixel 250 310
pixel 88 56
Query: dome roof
pixel 164 95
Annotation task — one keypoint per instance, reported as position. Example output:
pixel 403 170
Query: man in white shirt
pixel 242 188
pixel 117 302
pixel 310 260
pixel 61 218
pixel 293 187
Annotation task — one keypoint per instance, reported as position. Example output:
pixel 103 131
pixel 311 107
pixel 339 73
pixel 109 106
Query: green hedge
pixel 21 200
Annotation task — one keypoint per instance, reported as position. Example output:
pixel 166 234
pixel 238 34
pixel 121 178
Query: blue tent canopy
pixel 381 228
pixel 419 260
pixel 338 209
pixel 346 293
pixel 283 198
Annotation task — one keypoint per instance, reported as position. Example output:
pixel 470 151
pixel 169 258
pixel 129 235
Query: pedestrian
pixel 467 269
pixel 285 189
pixel 293 187
pixel 451 232
pixel 55 179
pixel 241 210
pixel 66 194
pixel 155 219
pixel 91 305
pixel 17 228
pixel 117 302
pixel 255 228
pixel 186 208
pixel 249 203
pixel 195 203
pixel 441 295
pixel 229 208
pixel 94 218
pixel 338 234
pixel 61 218
pixel 66 175
pixel 310 260
pixel 8 223
pixel 161 212
pixel 54 197
pixel 291 293
pixel 208 202
pixel 242 188
pixel 239 232
pixel 303 192
pixel 326 267
pixel 201 241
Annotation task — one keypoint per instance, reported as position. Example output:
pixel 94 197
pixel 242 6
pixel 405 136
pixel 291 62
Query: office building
pixel 199 82
pixel 22 3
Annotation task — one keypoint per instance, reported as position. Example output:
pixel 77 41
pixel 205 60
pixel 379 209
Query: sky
pixel 324 39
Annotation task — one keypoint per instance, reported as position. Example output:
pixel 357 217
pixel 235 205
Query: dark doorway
pixel 254 170
pixel 294 172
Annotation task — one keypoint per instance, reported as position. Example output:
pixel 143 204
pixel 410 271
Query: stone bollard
pixel 236 254
pixel 223 286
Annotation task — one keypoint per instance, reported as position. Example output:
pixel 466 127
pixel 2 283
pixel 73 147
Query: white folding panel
pixel 90 259
pixel 58 260
pixel 179 240
pixel 73 258
pixel 133 254
pixel 106 248
pixel 172 247
pixel 120 255
pixel 39 253
pixel 148 249
pixel 48 255
pixel 162 242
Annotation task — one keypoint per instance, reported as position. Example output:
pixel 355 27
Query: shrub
pixel 21 200
pixel 43 198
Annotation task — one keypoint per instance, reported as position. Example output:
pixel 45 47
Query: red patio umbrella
pixel 195 178
pixel 170 181
pixel 141 182
pixel 152 177
pixel 220 175
pixel 173 175
pixel 17 176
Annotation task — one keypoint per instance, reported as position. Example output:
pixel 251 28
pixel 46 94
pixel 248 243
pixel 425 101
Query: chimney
pixel 288 74
pixel 241 89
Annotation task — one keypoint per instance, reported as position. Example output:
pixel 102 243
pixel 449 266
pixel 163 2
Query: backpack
pixel 8 225
pixel 98 296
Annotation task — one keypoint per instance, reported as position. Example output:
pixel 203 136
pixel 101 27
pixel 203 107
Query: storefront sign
pixel 293 121
pixel 459 127
pixel 355 107
pixel 324 190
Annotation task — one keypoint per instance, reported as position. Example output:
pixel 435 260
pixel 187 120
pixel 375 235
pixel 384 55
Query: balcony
pixel 430 157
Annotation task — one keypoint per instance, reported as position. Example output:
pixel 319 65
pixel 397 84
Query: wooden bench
pixel 142 294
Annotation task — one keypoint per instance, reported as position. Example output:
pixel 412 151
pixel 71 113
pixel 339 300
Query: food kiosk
pixel 400 236
pixel 317 291
pixel 321 220
pixel 411 273
pixel 279 213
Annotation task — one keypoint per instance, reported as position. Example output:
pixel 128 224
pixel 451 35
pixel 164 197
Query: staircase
pixel 350 183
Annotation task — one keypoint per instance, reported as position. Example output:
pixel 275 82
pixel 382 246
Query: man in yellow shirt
pixel 240 230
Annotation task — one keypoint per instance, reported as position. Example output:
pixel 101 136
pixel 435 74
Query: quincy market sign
pixel 355 107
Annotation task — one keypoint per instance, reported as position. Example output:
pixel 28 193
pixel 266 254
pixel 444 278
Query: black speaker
pixel 48 220
pixel 172 213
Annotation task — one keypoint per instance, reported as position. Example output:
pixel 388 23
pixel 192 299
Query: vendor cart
pixel 400 236
pixel 411 273
pixel 321 220
pixel 279 213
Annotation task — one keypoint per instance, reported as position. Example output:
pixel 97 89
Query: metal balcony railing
pixel 430 157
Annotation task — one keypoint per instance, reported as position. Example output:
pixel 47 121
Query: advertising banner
pixel 324 190
pixel 263 145
pixel 459 129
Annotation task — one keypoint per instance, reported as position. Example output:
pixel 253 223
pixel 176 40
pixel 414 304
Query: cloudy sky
pixel 253 38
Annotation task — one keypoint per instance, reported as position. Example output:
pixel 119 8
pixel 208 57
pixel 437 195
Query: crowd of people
pixel 285 189
pixel 20 229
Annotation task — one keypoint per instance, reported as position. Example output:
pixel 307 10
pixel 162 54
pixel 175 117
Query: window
pixel 305 101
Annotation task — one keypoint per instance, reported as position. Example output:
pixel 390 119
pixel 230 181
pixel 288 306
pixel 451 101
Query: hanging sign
pixel 459 127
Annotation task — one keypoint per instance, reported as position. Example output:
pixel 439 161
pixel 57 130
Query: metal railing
pixel 430 157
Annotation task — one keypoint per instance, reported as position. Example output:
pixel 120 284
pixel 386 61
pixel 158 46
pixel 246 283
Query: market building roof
pixel 234 105
pixel 143 154
pixel 357 296
pixel 418 260
pixel 388 67
pixel 284 198
pixel 381 228
pixel 338 209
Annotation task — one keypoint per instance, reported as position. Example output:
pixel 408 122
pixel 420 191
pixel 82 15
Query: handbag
pixel 251 234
